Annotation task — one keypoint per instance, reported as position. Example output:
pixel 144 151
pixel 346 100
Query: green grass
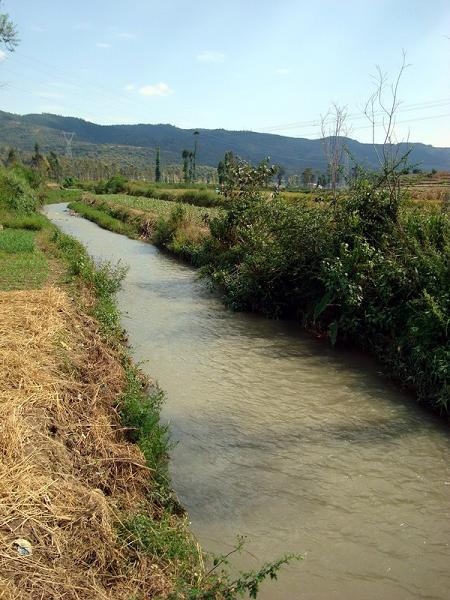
pixel 162 208
pixel 103 219
pixel 12 220
pixel 13 242
pixel 22 266
pixel 168 539
pixel 56 195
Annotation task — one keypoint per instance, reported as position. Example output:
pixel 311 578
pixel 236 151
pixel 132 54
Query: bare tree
pixel 334 130
pixel 381 111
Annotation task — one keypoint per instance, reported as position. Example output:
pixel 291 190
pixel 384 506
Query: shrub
pixel 199 198
pixel 115 185
pixel 165 228
pixel 70 182
pixel 33 177
pixel 15 193
pixel 370 271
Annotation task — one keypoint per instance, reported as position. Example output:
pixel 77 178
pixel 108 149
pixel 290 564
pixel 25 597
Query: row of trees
pixel 189 158
pixel 56 167
pixel 308 178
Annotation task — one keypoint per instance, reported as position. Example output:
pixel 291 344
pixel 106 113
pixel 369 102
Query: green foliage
pixel 56 195
pixel 157 166
pixel 166 228
pixel 13 220
pixel 217 583
pixel 22 266
pixel 115 185
pixel 370 271
pixel 55 168
pixel 102 218
pixel 15 192
pixel 104 279
pixel 139 412
pixel 199 198
pixel 8 33
pixel 167 538
pixel 16 241
pixel 70 182
pixel 11 158
pixel 38 161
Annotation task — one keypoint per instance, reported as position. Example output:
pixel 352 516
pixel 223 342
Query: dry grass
pixel 66 471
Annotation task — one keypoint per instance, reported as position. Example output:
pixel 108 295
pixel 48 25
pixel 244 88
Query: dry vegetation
pixel 67 472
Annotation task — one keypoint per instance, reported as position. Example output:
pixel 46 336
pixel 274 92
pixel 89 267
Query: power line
pixel 68 137
pixel 360 115
pixel 113 97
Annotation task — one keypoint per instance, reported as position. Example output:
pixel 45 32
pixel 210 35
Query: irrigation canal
pixel 280 438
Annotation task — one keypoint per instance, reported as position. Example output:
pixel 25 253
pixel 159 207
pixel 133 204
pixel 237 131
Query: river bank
pixel 88 507
pixel 84 470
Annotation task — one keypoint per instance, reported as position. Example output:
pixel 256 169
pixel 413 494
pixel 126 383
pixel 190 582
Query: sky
pixel 241 64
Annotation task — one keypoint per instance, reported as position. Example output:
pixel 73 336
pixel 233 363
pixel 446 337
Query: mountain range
pixel 137 142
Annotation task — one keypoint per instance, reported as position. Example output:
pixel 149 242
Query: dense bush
pixel 200 198
pixel 16 193
pixel 372 271
pixel 33 177
pixel 70 182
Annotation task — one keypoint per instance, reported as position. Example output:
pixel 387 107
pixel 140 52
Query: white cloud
pixel 52 95
pixel 158 89
pixel 2 55
pixel 103 45
pixel 282 71
pixel 126 35
pixel 129 87
pixel 36 29
pixel 210 56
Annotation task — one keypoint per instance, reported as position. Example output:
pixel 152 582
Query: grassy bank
pixel 88 511
pixel 180 229
pixel 368 272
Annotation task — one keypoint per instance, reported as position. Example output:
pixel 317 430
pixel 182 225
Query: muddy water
pixel 301 448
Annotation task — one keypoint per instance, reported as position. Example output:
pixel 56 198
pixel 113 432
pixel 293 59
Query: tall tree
pixel 157 166
pixel 37 160
pixel 55 169
pixel 11 158
pixel 194 154
pixel 334 130
pixel 279 174
pixel 191 166
pixel 307 176
pixel 225 167
pixel 185 156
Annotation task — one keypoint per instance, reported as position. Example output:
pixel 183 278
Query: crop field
pixel 161 207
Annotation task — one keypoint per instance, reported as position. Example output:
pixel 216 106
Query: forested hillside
pixel 137 142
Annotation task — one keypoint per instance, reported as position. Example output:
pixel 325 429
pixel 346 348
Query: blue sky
pixel 249 64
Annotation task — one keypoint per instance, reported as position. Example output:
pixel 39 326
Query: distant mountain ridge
pixel 295 154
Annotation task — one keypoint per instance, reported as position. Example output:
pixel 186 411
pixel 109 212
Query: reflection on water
pixel 280 438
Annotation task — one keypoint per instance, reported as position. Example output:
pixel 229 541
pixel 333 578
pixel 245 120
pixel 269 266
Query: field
pixel 159 207
pixel 430 187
